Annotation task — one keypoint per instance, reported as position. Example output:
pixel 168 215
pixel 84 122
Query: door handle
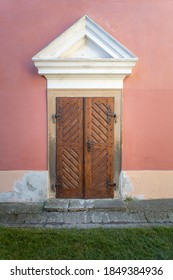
pixel 89 145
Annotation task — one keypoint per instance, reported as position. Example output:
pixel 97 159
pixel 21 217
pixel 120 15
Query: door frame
pixel 105 70
pixel 51 98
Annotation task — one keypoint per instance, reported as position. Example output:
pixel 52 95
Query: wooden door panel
pixel 99 147
pixel 69 147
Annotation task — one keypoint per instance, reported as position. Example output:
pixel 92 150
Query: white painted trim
pixel 84 28
pixel 60 64
pixel 84 82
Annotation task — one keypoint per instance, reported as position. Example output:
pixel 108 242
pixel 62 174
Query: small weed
pixel 128 199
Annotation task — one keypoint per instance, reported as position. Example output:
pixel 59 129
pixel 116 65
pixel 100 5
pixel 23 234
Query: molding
pixel 84 82
pixel 85 56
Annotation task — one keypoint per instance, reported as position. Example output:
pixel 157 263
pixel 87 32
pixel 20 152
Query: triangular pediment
pixel 85 56
pixel 85 40
pixel 85 48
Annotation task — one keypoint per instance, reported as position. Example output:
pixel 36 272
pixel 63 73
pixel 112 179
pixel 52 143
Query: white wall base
pixel 143 184
pixel 23 186
pixel 32 186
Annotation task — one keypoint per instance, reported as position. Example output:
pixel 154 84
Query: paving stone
pixel 134 218
pixel 96 217
pixel 84 217
pixel 113 217
pixel 123 217
pixel 52 217
pixel 170 215
pixel 3 218
pixel 87 216
pixel 164 218
pixel 59 218
pixel 157 217
pixel 105 218
pixel 150 216
pixel 142 217
pixel 34 219
pixel 42 218
pixel 116 217
pixel 23 218
pixel 12 218
pixel 55 218
pixel 71 217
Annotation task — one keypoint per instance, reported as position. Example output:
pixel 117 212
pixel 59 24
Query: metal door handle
pixel 89 145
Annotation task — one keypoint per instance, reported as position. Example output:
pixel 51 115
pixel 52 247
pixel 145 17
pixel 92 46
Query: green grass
pixel 148 243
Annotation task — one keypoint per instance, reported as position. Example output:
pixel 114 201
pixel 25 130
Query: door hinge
pixel 110 114
pixel 58 182
pixel 109 184
pixel 58 115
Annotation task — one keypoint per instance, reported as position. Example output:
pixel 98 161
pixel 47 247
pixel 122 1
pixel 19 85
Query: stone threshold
pixel 74 205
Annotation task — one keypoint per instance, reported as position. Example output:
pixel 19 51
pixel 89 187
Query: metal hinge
pixel 110 114
pixel 108 184
pixel 59 182
pixel 58 115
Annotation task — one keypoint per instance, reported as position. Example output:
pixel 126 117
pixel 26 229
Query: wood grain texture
pixel 69 147
pixel 99 161
pixel 85 147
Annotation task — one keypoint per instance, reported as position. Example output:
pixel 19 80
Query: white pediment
pixel 86 49
pixel 85 39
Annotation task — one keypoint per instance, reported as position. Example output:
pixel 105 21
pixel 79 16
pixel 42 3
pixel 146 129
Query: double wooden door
pixel 85 147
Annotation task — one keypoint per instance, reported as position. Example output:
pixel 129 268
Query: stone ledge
pixel 9 207
pixel 73 205
pixel 158 205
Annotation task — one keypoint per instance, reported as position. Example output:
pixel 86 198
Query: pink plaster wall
pixel 145 27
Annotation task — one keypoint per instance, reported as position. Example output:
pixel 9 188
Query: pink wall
pixel 145 27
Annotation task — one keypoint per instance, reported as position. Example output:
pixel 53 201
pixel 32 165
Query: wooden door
pixel 99 148
pixel 85 147
pixel 69 112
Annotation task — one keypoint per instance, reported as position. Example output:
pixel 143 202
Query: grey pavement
pixel 83 214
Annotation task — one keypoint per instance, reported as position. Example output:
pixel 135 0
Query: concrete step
pixel 74 205
pixel 158 205
pixel 21 207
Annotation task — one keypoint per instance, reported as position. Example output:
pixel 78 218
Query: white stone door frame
pixel 84 61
